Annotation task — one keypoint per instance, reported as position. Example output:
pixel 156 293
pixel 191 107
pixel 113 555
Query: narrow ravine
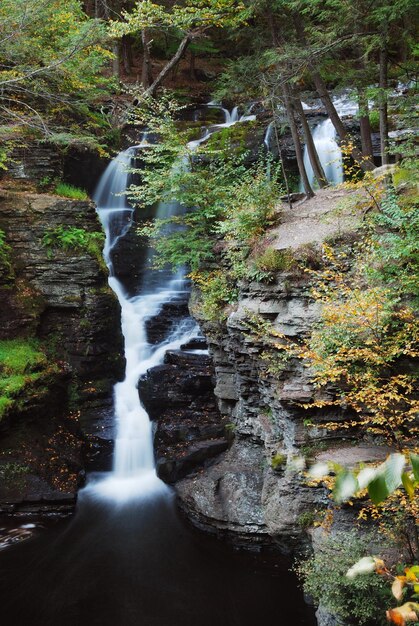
pixel 126 557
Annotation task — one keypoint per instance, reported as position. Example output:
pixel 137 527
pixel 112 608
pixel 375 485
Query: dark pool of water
pixel 139 564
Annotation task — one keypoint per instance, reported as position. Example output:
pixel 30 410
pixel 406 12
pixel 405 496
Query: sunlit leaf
pixel 401 614
pixel 393 468
pixel 397 587
pixel 365 476
pixel 318 470
pixel 366 565
pixel 408 484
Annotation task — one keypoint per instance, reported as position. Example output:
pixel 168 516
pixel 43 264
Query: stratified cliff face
pixel 61 298
pixel 252 493
pixel 248 494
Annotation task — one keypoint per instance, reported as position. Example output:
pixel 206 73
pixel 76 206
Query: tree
pixel 192 20
pixel 50 62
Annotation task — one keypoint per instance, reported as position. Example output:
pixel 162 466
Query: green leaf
pixel 414 459
pixel 408 484
pixel 378 490
pixel 393 468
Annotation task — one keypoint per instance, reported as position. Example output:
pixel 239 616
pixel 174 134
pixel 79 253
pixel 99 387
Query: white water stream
pixel 324 137
pixel 330 154
pixel 134 473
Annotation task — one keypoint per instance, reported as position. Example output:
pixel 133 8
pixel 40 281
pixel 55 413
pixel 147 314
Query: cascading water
pixel 124 559
pixel 324 137
pixel 330 155
pixel 133 471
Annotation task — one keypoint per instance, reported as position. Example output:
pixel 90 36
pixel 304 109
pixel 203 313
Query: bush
pixel 272 260
pixel 73 238
pixel 69 191
pixel 6 270
pixel 360 601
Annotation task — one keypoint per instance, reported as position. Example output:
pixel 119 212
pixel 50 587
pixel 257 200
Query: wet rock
pixel 59 295
pixel 62 298
pixel 159 326
pixel 225 499
pixel 195 344
pixel 189 430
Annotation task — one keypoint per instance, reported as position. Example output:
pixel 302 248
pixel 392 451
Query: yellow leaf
pixel 397 587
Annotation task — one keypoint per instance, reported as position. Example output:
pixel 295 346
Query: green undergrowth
pixel 69 191
pixel 75 239
pixel 358 600
pixel 23 367
pixel 6 270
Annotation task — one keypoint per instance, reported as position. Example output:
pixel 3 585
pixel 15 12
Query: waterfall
pixel 268 136
pixel 232 117
pixel 324 137
pixel 133 472
pixel 330 155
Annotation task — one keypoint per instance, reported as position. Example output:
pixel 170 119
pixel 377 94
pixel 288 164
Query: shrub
pixel 69 191
pixel 73 238
pixel 359 600
pixel 6 271
pixel 272 260
pixel 374 120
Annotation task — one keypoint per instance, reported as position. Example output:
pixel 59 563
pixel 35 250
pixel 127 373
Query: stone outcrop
pixel 61 298
pixel 253 493
pixel 179 396
pixel 250 494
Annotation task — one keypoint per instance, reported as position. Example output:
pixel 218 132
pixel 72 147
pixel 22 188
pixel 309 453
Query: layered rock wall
pixel 60 298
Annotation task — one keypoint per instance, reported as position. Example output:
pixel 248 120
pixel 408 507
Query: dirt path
pixel 330 213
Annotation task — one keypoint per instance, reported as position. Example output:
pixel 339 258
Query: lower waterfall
pixel 330 154
pixel 133 472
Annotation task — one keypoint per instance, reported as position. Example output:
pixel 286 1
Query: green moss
pixel 6 269
pixel 75 239
pixel 278 461
pixel 233 137
pixel 23 368
pixel 69 191
pixel 306 519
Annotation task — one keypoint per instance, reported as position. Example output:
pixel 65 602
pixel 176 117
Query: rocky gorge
pixel 228 434
pixel 59 299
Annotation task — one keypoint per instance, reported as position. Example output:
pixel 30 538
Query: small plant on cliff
pixel 359 600
pixel 22 366
pixel 6 270
pixel 69 191
pixel 226 207
pixel 77 239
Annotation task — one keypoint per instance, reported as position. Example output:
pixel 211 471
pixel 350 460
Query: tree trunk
pixel 321 89
pixel 146 73
pixel 127 54
pixel 296 140
pixel 170 65
pixel 383 104
pixel 115 62
pixel 311 148
pixel 364 123
pixel 192 66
